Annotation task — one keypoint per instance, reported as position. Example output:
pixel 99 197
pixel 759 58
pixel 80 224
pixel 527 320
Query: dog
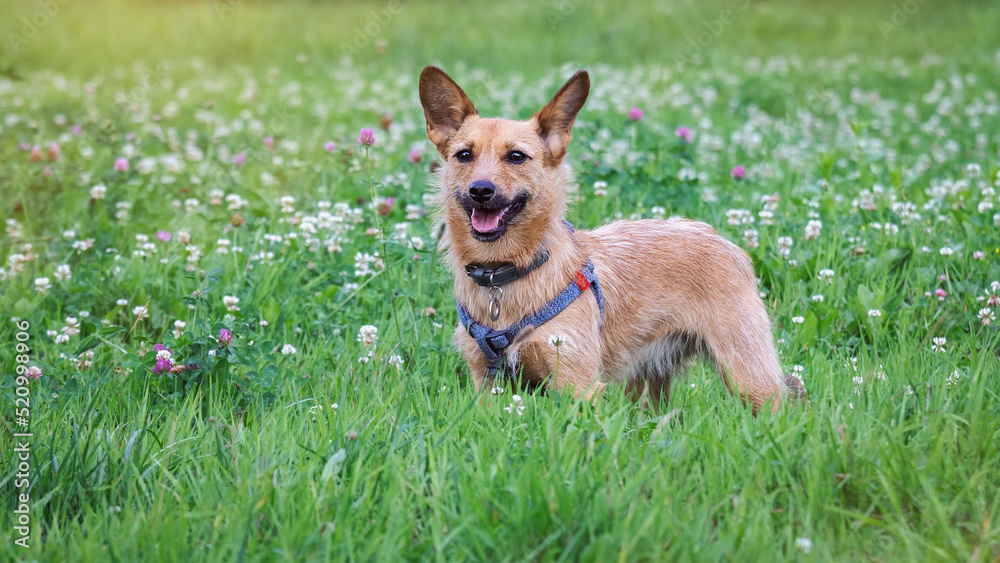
pixel 630 302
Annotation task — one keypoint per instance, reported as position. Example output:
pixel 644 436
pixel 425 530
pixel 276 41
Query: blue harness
pixel 494 343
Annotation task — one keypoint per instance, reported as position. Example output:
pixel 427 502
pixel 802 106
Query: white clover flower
pixel 396 361
pixel 817 298
pixel 813 229
pixel 557 340
pixel 946 251
pixel 122 302
pixel 939 344
pixel 798 320
pixel 805 545
pixel 63 272
pixel 288 350
pixel 140 311
pixel 231 302
pixel 368 335
pixel 986 316
pixel 874 313
pixel 516 406
pixel 42 285
pixel 98 191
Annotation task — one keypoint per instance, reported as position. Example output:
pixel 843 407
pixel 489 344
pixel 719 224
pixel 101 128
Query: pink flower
pixel 942 278
pixel 269 142
pixel 164 236
pixel 635 114
pixel 53 152
pixel 240 158
pixel 36 154
pixel 684 133
pixel 76 129
pixel 329 146
pixel 738 172
pixel 121 164
pixel 940 294
pixel 225 337
pixel 162 365
pixel 23 146
pixel 978 255
pixel 415 156
pixel 367 137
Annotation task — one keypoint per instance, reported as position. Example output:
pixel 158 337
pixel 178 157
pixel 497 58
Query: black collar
pixel 498 274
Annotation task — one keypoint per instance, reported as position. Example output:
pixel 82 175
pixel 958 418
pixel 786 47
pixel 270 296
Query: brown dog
pixel 657 292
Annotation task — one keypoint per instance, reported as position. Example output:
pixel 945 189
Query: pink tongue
pixel 485 220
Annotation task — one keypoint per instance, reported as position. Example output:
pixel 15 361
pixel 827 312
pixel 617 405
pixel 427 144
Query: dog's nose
pixel 482 190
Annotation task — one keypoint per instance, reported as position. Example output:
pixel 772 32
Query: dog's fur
pixel 671 288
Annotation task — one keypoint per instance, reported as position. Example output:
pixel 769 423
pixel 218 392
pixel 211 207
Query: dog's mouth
pixel 490 223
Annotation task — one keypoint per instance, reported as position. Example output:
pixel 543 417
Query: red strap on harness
pixel 581 281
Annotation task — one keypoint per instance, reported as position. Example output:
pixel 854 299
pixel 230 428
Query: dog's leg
pixel 649 392
pixel 743 349
pixel 575 366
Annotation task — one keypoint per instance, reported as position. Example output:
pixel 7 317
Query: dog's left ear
pixel 555 120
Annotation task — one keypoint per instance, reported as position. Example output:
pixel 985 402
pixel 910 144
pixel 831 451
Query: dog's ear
pixel 445 106
pixel 555 120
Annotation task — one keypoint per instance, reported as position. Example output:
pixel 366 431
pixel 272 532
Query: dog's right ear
pixel 445 106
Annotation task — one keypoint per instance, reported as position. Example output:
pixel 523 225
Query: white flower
pixel 986 315
pixel 515 406
pixel 939 344
pixel 557 340
pixel 798 320
pixel 874 313
pixel 179 328
pixel 496 391
pixel 600 188
pixel 813 229
pixel 98 191
pixel 396 361
pixel 817 298
pixel 288 349
pixel 42 285
pixel 368 335
pixel 63 272
pixel 953 379
pixel 231 302
pixel 122 302
pixel 140 311
pixel 946 251
pixel 163 354
pixel 804 545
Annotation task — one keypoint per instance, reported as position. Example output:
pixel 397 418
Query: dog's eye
pixel 517 157
pixel 464 155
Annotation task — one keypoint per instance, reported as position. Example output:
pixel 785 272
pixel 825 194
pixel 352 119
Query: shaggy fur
pixel 672 289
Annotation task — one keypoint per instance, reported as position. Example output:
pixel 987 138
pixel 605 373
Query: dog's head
pixel 501 180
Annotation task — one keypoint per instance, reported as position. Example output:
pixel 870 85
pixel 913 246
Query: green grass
pixel 244 456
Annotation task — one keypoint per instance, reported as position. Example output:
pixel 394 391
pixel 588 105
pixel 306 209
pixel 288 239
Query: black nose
pixel 482 190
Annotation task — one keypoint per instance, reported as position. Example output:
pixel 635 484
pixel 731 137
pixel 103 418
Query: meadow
pixel 227 324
